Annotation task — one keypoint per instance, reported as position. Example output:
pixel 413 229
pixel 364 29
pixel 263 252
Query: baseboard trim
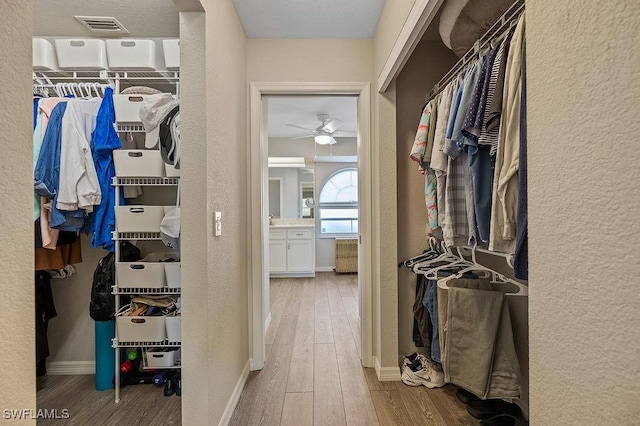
pixel 71 368
pixel 235 396
pixel 386 374
pixel 267 323
pixel 325 268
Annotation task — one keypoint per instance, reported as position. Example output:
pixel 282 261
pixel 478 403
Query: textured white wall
pixel 394 14
pixel 584 199
pixel 218 325
pixel 193 239
pixel 428 63
pixel 17 358
pixel 285 60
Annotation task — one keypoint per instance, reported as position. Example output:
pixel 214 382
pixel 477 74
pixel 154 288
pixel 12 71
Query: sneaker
pixel 410 358
pixel 427 374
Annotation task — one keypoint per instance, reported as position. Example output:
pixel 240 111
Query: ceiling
pixel 303 111
pixel 309 18
pixel 143 18
pixel 260 18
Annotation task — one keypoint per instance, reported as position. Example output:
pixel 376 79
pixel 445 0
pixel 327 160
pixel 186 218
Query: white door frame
pixel 258 233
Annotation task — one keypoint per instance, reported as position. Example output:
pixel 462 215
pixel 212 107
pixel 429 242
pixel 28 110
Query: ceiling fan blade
pixel 300 127
pixel 344 134
pixel 332 126
pixel 302 137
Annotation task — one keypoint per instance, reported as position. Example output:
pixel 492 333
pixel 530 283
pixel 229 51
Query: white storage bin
pixel 174 329
pixel 127 107
pixel 138 163
pixel 173 274
pixel 141 329
pixel 133 54
pixel 44 55
pixel 171 49
pixel 140 274
pixel 171 171
pixel 164 359
pixel 139 218
pixel 81 54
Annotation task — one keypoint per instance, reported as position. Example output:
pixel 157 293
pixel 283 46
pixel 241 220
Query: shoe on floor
pixel 423 372
pixel 504 420
pixel 465 396
pixel 485 409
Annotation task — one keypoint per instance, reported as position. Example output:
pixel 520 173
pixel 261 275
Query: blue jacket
pixel 105 140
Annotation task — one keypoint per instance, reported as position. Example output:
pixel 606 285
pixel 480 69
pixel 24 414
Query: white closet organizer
pixel 142 223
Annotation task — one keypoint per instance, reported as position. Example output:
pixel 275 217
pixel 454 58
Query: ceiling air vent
pixel 102 24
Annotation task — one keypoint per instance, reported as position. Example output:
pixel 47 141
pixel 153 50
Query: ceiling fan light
pixel 324 140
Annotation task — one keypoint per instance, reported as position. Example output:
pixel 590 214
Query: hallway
pixel 313 373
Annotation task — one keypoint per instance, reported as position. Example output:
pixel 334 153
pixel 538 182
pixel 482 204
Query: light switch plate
pixel 217 222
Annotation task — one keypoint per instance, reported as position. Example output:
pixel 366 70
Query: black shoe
pixel 484 409
pixel 169 386
pixel 504 420
pixel 178 382
pixel 465 396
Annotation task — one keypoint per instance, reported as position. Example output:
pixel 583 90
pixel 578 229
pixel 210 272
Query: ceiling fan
pixel 324 133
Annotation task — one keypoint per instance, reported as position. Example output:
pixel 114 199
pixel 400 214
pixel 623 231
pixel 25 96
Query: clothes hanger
pixel 499 283
pixel 454 262
pixel 425 265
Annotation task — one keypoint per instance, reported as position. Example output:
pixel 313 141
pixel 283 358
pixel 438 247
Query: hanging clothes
pixel 105 140
pixel 45 310
pixel 78 185
pixel 421 154
pixel 476 337
pixel 521 258
pixel 505 192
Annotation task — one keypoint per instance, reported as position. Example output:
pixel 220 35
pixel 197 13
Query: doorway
pixel 260 309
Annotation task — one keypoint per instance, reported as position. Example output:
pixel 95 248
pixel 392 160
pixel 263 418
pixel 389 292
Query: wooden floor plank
pixel 141 404
pixel 292 306
pixel 328 407
pixel 351 309
pixel 373 382
pixel 335 298
pixel 298 409
pixel 301 367
pixel 263 396
pixel 450 408
pixel 279 292
pixel 419 405
pixel 323 331
pixel 390 408
pixel 358 405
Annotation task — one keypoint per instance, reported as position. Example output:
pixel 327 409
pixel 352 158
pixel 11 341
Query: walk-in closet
pixel 450 175
pixel 106 87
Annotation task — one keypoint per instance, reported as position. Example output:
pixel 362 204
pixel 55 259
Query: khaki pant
pixel 476 339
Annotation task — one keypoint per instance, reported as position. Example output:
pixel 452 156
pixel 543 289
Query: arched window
pixel 338 203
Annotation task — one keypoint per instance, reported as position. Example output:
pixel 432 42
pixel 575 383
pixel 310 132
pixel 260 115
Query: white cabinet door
pixel 278 256
pixel 300 256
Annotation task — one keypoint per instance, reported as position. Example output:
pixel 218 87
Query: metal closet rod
pixel 495 32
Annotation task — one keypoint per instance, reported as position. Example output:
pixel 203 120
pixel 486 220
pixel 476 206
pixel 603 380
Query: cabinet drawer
pixel 277 234
pixel 299 234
